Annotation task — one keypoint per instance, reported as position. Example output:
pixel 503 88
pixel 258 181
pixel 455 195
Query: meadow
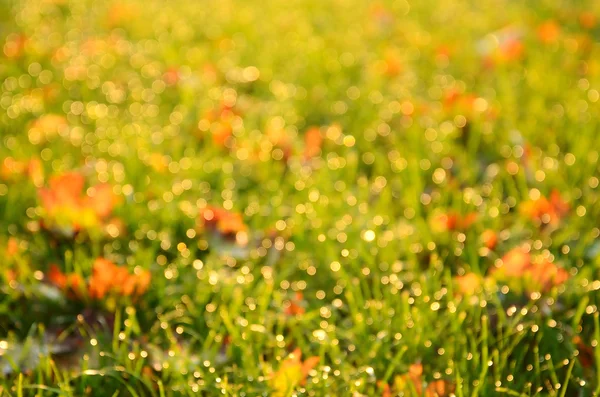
pixel 299 198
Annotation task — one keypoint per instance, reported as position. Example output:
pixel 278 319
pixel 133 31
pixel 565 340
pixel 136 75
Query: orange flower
pixel 468 284
pixel 459 102
pixel 515 263
pixel 68 209
pixel 133 284
pixel 312 143
pixel 544 274
pixel 128 284
pixel 35 171
pixel 12 169
pixel 12 246
pixel 561 207
pixel 511 50
pixel 7 253
pixel 171 76
pixel 444 51
pixel 587 19
pixel 143 282
pixel 227 223
pixel 439 388
pixel 413 380
pixel 220 120
pixel 548 32
pixel 101 199
pixel 107 278
pixel 415 372
pixel 467 221
pixel 452 221
pixel 64 190
pixel 536 274
pixel 489 239
pixel 71 283
pixel 57 277
pixel 221 131
pixel 293 307
pixel 15 45
pixel 280 139
pixel 292 372
pixel 10 275
pixel 546 211
pixel 393 63
pixel 104 274
pixel 386 390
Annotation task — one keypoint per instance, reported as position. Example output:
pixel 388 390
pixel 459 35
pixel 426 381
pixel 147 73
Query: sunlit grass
pixel 299 198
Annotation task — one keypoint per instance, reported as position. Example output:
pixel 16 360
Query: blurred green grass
pixel 424 108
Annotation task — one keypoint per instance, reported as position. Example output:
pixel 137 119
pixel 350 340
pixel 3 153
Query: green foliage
pixel 355 237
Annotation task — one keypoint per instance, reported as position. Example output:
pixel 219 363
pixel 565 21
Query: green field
pixel 299 198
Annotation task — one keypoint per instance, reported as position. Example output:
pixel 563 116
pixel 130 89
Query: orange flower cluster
pixel 313 142
pixel 537 274
pixel 229 224
pixel 508 48
pixel 220 120
pixel 544 210
pixel 511 47
pixel 453 221
pixel 107 279
pixel 72 283
pixel 461 102
pixel 292 372
pixel 12 170
pixel 518 268
pixel 66 209
pixel 413 380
